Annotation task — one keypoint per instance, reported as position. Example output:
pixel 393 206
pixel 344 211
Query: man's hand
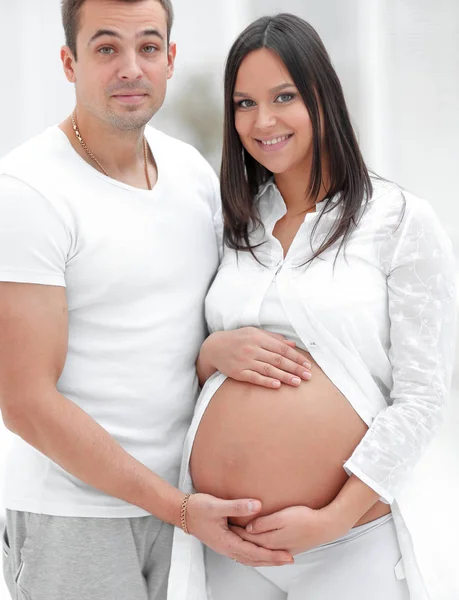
pixel 295 529
pixel 207 519
pixel 254 356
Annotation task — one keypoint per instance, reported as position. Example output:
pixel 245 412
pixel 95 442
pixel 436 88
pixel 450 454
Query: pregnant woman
pixel 360 275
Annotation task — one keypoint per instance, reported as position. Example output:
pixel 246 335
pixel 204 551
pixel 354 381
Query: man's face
pixel 123 63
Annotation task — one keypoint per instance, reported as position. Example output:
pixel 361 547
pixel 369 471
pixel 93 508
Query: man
pixel 107 248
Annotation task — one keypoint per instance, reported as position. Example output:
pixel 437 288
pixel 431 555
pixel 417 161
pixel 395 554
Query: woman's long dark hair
pixel 300 48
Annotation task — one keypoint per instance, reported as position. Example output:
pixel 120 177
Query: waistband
pixel 353 534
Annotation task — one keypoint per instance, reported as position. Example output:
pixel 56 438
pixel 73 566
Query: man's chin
pixel 131 119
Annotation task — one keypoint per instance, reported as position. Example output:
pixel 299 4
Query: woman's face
pixel 270 115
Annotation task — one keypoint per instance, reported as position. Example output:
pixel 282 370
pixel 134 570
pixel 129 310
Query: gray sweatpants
pixel 69 558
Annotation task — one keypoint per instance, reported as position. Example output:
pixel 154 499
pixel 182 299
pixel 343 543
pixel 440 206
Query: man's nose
pixel 130 68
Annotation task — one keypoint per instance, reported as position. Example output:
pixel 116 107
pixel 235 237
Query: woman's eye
pixel 245 103
pixel 106 50
pixel 284 98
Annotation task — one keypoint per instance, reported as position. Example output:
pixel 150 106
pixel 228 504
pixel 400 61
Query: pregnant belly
pixel 284 447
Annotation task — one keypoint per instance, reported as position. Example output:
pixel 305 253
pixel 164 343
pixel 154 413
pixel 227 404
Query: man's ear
pixel 171 55
pixel 68 61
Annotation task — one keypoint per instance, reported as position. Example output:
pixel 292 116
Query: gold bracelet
pixel 183 513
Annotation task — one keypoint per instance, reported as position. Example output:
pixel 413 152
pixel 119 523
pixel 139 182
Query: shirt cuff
pixel 352 469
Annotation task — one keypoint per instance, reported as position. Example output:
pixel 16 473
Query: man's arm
pixel 33 336
pixel 33 347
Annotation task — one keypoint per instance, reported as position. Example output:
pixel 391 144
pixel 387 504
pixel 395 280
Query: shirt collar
pixel 271 206
pixel 264 186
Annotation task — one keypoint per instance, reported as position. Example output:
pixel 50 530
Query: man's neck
pixel 120 153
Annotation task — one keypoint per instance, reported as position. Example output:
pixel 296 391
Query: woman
pixel 360 276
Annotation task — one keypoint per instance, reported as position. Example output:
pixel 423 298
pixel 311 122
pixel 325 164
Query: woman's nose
pixel 265 118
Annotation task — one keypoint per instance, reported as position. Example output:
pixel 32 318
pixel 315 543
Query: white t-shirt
pixel 136 265
pixel 273 317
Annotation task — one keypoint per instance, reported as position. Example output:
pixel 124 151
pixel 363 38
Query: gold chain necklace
pixel 92 157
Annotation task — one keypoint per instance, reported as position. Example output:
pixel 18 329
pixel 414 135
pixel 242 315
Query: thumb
pixel 237 508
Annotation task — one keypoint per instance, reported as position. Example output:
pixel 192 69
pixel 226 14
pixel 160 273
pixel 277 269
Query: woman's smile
pixel 275 143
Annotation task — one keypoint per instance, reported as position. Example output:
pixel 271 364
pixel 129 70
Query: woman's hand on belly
pixel 295 529
pixel 254 356
pixel 299 528
pixel 207 519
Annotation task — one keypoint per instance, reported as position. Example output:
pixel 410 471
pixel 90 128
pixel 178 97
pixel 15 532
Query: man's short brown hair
pixel 71 14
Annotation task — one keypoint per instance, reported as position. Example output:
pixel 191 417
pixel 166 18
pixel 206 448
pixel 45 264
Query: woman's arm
pixel 422 308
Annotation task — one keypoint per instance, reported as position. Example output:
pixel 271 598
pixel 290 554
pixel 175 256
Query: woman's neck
pixel 294 186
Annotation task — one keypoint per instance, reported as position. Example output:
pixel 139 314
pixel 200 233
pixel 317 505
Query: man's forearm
pixel 67 435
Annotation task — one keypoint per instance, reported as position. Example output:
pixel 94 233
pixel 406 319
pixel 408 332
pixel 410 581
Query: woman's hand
pixel 295 529
pixel 254 356
pixel 299 528
pixel 207 519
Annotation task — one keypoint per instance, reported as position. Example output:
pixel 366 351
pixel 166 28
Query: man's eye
pixel 106 50
pixel 149 49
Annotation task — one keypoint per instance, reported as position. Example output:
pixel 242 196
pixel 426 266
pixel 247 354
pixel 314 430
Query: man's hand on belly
pixel 254 356
pixel 295 529
pixel 207 519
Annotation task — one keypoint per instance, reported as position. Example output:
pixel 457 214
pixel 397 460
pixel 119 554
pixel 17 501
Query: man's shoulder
pixel 35 152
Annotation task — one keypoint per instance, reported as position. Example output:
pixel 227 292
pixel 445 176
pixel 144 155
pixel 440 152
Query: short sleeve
pixel 422 309
pixel 217 212
pixel 34 240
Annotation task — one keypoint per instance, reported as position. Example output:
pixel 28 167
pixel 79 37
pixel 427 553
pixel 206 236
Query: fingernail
pixel 276 384
pixel 307 365
pixel 249 528
pixel 296 380
pixel 254 506
pixel 306 376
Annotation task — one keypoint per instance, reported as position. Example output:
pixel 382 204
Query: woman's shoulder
pixel 407 225
pixel 390 200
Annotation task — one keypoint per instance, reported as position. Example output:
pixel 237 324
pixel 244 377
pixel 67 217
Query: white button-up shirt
pixel 378 319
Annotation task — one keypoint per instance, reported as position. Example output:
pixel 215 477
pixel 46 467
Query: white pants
pixel 363 565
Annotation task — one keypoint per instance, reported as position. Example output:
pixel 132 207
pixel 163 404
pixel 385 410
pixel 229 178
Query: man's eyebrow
pixel 278 88
pixel 151 32
pixel 110 33
pixel 103 32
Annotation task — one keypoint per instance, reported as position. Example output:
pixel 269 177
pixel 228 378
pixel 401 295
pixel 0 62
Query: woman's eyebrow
pixel 278 88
